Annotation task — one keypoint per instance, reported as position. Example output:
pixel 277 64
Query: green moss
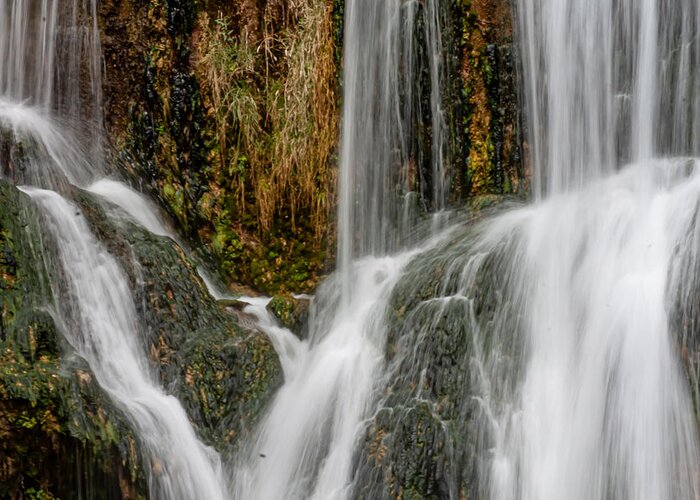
pixel 489 123
pixel 292 313
pixel 55 423
pixel 425 440
pixel 222 374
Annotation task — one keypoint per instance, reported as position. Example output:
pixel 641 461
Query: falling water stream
pixel 306 442
pixel 594 403
pixel 603 409
pixel 42 57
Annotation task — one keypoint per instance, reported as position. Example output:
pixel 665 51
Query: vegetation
pixel 235 130
pixel 52 411
pixel 59 433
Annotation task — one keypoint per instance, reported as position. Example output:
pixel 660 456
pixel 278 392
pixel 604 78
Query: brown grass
pixel 275 133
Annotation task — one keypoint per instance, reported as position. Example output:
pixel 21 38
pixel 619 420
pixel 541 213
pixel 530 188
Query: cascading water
pixel 46 49
pixel 579 391
pixel 378 165
pixel 305 445
pixel 603 410
pixel 606 83
pixel 99 316
pixel 572 384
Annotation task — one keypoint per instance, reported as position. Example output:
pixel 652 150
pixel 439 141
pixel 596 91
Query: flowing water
pixel 578 380
pixel 50 109
pixel 306 442
pixel 378 165
pixel 594 403
pixel 603 409
pixel 98 310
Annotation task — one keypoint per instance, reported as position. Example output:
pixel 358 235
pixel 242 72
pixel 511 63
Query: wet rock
pixel 425 440
pixel 59 434
pixel 222 370
pixel 292 312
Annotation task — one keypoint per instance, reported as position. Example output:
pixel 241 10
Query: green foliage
pixel 39 494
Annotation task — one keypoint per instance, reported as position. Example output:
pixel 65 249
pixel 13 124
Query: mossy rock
pixel 59 434
pixel 223 373
pixel 426 439
pixel 62 436
pixel 292 313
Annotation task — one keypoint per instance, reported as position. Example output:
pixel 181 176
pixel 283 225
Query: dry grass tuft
pixel 275 133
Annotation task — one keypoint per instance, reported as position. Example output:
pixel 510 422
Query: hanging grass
pixel 276 124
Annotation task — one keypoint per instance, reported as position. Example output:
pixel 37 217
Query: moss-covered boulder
pixel 451 329
pixel 59 434
pixel 292 312
pixel 223 373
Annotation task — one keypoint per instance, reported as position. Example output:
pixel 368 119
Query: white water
pixel 105 331
pixel 603 409
pixel 379 169
pixel 305 444
pixel 46 49
pixel 133 203
pixel 98 312
pixel 289 348
pixel 607 83
pixel 600 407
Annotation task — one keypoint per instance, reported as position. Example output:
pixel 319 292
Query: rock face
pixel 487 68
pixel 61 435
pixel 229 113
pixel 443 322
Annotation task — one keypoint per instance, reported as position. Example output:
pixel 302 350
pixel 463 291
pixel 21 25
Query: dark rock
pixel 59 434
pixel 444 326
pixel 292 313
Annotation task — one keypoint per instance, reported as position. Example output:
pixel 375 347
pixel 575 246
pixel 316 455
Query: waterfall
pixel 574 388
pixel 50 110
pixel 552 348
pixel 603 409
pixel 51 57
pixel 607 83
pixel 572 384
pixel 379 170
pixel 307 440
pixel 100 317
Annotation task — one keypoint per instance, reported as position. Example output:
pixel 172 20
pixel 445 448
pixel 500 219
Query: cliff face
pixel 487 73
pixel 229 113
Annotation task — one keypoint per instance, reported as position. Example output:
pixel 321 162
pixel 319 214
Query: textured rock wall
pixel 229 113
pixel 60 435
